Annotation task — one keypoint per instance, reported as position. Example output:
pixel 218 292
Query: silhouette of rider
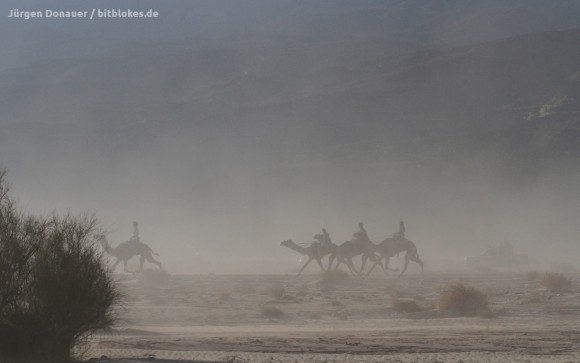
pixel 361 234
pixel 135 238
pixel 325 237
pixel 401 233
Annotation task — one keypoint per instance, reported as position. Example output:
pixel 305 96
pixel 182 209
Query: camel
pixel 316 251
pixel 127 250
pixel 344 253
pixel 391 247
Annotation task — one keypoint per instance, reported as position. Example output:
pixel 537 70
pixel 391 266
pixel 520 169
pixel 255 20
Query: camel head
pixel 287 243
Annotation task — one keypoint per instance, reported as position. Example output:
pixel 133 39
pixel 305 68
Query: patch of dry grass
pixel 278 292
pixel 272 312
pixel 405 305
pixel 463 300
pixel 556 282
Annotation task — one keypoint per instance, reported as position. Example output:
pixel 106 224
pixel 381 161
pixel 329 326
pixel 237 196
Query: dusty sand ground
pixel 222 318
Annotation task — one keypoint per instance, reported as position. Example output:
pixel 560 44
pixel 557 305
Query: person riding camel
pixel 401 233
pixel 135 232
pixel 361 234
pixel 326 237
pixel 135 240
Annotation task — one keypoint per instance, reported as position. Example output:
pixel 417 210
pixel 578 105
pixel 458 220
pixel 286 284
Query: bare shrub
pixel 55 289
pixel 334 277
pixel 272 312
pixel 405 305
pixel 463 301
pixel 556 282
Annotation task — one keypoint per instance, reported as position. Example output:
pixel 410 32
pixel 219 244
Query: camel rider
pixel 135 238
pixel 401 233
pixel 361 234
pixel 326 237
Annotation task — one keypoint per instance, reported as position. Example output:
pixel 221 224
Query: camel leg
pixel 350 264
pixel 351 267
pixel 365 257
pixel 320 264
pixel 141 261
pixel 406 265
pixel 125 266
pixel 155 262
pixel 330 261
pixel 306 264
pixel 373 267
pixel 150 259
pixel 416 259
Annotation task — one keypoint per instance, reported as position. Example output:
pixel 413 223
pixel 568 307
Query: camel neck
pixel 293 246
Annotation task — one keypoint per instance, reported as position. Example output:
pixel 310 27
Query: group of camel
pixel 362 246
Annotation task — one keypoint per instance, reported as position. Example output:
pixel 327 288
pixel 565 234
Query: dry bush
pixel 278 292
pixel 154 278
pixel 556 282
pixel 463 301
pixel 272 312
pixel 334 277
pixel 55 289
pixel 405 305
pixel 302 290
pixel 532 276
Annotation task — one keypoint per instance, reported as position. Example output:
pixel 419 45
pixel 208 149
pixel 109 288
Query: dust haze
pixel 261 158
pixel 226 128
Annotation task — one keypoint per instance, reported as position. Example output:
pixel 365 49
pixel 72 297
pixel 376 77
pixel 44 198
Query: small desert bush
pixel 405 305
pixel 334 277
pixel 55 289
pixel 463 300
pixel 272 312
pixel 556 282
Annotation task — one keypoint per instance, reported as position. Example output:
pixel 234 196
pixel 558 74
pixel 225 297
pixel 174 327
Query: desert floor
pixel 231 318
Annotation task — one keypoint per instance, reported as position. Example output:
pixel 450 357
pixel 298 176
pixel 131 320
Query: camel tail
pixel 153 252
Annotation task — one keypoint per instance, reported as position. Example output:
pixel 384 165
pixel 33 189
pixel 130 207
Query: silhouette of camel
pixel 360 245
pixel 344 253
pixel 392 246
pixel 127 250
pixel 316 251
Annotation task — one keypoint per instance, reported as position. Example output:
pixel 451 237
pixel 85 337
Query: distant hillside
pixel 282 22
pixel 351 100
